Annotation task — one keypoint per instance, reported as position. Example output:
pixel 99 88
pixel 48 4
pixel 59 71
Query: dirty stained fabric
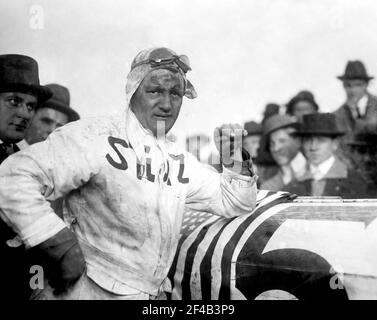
pixel 125 190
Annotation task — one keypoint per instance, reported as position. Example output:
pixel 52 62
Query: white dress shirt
pixel 319 172
pixel 361 105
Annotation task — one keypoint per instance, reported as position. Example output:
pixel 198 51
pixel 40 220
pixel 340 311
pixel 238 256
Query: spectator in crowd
pixel 301 104
pixel 359 112
pixel 52 114
pixel 252 140
pixel 126 185
pixel 264 163
pixel 20 94
pixel 270 110
pixel 284 149
pixel 364 150
pixel 326 175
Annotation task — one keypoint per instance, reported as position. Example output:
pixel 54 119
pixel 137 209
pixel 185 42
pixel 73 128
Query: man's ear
pixel 298 141
pixel 335 144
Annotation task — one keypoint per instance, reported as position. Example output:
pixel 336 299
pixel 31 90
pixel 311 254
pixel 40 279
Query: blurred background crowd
pixel 298 148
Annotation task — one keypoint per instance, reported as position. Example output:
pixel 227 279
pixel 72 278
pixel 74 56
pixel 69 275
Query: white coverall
pixel 127 192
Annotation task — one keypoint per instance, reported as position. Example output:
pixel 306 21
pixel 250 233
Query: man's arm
pixel 47 170
pixel 231 193
pixel 44 171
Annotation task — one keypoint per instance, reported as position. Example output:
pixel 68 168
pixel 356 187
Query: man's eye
pixel 13 101
pixel 155 92
pixel 176 93
pixel 31 107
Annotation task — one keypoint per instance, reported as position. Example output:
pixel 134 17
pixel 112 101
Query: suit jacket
pixel 352 126
pixel 15 262
pixel 6 232
pixel 339 181
pixel 275 183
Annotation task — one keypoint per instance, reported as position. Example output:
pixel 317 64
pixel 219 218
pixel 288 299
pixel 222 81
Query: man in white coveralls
pixel 126 187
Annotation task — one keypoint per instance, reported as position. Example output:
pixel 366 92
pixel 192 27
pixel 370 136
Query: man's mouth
pixel 19 127
pixel 162 116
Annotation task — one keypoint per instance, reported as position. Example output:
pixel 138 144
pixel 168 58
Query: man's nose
pixel 165 104
pixel 313 144
pixel 276 147
pixel 24 112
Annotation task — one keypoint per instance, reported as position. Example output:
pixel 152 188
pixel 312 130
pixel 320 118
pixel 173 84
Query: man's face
pixel 158 99
pixel 251 144
pixel 16 111
pixel 303 107
pixel 43 123
pixel 318 149
pixel 355 89
pixel 283 146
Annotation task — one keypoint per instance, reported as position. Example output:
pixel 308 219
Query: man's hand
pixel 228 141
pixel 63 259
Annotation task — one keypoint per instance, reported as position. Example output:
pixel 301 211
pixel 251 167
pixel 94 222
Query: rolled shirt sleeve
pixel 227 194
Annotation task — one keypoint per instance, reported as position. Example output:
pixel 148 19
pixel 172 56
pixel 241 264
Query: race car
pixel 306 248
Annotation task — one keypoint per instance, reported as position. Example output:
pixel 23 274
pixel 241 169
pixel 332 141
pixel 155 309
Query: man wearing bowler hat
pixel 20 95
pixel 284 149
pixel 326 175
pixel 52 114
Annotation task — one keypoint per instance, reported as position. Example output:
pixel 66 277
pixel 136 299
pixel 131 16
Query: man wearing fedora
pixel 326 175
pixel 358 114
pixel 364 150
pixel 284 149
pixel 52 114
pixel 20 95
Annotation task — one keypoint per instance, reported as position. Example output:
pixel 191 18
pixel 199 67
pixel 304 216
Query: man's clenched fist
pixel 228 141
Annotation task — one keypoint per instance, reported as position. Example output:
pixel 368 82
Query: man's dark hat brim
pixel 364 140
pixel 41 92
pixel 344 77
pixel 57 105
pixel 332 134
pixel 355 70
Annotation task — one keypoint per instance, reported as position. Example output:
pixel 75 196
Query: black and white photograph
pixel 188 151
